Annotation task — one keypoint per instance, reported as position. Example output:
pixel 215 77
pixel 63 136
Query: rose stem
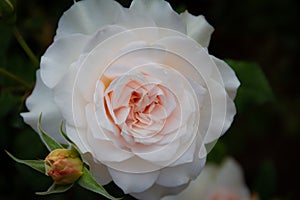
pixel 15 78
pixel 25 47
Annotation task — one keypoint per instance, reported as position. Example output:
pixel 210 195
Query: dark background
pixel 264 137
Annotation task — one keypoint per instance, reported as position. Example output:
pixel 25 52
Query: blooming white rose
pixel 138 92
pixel 225 182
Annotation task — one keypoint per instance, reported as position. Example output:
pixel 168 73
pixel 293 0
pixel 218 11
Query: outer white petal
pixel 94 124
pixel 134 165
pixel 132 20
pixel 106 151
pixel 197 28
pixel 99 171
pixel 134 183
pixel 68 99
pixel 230 80
pixel 164 156
pixel 217 112
pixel 87 16
pixel 41 101
pixel 187 57
pixel 181 174
pixel 78 136
pixel 59 56
pixel 102 34
pixel 187 156
pixel 161 12
pixel 222 122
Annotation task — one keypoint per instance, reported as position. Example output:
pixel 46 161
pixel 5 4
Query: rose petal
pixel 181 174
pixel 132 20
pixel 41 101
pixel 78 136
pixel 122 88
pixel 59 56
pixel 98 170
pixel 187 57
pixel 134 165
pixel 217 112
pixel 173 135
pixel 162 156
pixel 161 12
pixel 230 80
pixel 66 91
pixel 134 55
pixel 131 183
pixel 199 187
pixel 100 112
pixel 187 156
pixel 100 149
pixel 101 35
pixel 92 66
pixel 88 16
pixel 94 123
pixel 197 28
pixel 149 140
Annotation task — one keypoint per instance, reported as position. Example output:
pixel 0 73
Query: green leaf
pixel 38 165
pixel 88 182
pixel 50 143
pixel 255 88
pixel 54 188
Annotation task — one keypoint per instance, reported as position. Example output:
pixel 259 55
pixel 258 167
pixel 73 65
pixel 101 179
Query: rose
pixel 217 182
pixel 137 91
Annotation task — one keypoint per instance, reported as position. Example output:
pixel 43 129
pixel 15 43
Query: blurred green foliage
pixel 254 89
pixel 265 134
pixel 8 11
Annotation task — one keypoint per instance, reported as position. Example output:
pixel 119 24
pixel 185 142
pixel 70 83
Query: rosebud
pixel 64 166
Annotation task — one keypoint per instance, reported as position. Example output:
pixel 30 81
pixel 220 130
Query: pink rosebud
pixel 64 166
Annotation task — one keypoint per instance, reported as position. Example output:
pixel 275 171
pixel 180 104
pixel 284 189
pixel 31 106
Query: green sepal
pixel 64 134
pixel 38 165
pixel 54 188
pixel 72 144
pixel 50 143
pixel 88 182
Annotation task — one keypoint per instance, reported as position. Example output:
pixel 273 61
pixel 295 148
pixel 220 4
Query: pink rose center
pixel 140 110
